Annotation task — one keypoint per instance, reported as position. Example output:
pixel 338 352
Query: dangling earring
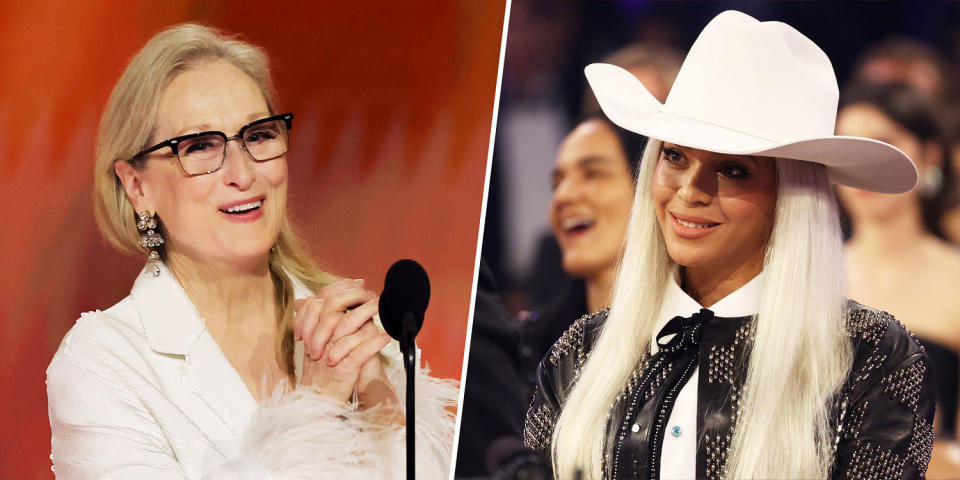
pixel 150 239
pixel 930 182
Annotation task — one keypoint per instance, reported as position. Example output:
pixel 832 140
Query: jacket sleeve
pixel 886 418
pixel 555 377
pixel 542 414
pixel 101 430
pixel 298 434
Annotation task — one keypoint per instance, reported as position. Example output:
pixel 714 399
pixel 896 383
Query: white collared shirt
pixel 678 453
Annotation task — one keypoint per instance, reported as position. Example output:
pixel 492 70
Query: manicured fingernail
pixel 358 280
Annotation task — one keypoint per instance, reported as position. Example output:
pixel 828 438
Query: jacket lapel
pixel 210 377
pixel 210 391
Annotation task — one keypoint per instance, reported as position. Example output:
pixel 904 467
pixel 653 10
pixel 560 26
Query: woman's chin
pixel 581 267
pixel 691 259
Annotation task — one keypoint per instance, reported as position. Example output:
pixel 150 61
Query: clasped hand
pixel 341 343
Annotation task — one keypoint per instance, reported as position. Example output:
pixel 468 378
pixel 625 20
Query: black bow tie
pixel 685 330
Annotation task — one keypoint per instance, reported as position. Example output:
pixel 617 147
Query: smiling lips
pixel 244 211
pixel 576 223
pixel 574 226
pixel 691 227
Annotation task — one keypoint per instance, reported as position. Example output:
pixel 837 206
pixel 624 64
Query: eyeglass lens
pixel 203 154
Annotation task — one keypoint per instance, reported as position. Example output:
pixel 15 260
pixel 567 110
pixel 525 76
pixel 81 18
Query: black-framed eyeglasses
pixel 203 152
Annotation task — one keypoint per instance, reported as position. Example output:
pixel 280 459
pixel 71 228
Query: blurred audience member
pixel 593 188
pixel 904 60
pixel 897 257
pixel 655 63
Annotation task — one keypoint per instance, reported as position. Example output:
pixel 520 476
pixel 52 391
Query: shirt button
pixel 676 431
pixel 635 428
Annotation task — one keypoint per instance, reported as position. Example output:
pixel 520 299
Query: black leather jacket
pixel 883 416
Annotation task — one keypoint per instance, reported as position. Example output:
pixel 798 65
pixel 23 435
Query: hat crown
pixel 763 79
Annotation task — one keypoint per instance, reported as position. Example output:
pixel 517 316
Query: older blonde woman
pixel 729 350
pixel 234 355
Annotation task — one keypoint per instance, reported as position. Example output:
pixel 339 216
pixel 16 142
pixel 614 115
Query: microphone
pixel 406 293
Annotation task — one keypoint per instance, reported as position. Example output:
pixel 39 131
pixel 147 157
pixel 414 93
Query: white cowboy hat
pixel 754 88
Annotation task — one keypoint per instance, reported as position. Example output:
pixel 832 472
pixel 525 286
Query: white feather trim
pixel 305 435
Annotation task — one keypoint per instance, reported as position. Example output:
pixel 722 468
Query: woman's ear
pixel 132 180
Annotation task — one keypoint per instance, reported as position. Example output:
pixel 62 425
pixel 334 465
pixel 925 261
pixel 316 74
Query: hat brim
pixel 853 161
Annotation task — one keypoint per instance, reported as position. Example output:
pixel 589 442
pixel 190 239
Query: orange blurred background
pixel 393 101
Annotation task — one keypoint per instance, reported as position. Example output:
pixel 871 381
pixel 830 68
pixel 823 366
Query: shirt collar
pixel 742 302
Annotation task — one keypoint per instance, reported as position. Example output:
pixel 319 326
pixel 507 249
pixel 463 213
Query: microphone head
pixel 406 293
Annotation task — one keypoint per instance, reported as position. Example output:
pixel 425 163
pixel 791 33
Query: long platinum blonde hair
pixel 800 355
pixel 126 127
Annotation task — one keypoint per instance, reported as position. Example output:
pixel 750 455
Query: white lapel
pixel 212 394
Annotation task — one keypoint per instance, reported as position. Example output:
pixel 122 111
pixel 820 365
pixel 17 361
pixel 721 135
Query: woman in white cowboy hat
pixel 729 350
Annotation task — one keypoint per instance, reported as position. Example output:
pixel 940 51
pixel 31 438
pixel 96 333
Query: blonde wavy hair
pixel 801 352
pixel 126 127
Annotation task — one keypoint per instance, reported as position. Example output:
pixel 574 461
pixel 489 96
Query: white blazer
pixel 143 391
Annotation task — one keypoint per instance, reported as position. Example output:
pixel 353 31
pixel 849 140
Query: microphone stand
pixel 408 346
